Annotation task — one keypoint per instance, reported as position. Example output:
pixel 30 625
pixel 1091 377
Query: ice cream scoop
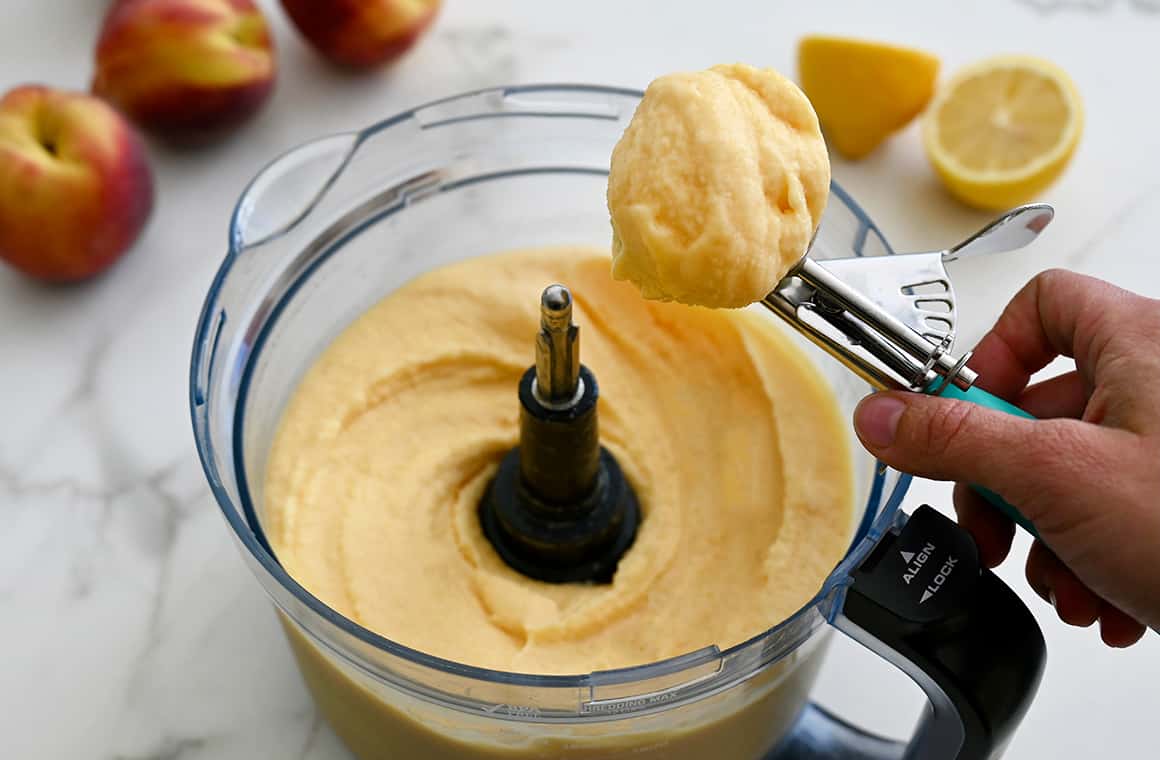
pixel 891 319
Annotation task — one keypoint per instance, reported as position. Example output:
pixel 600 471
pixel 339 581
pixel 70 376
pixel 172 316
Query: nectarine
pixel 185 66
pixel 362 33
pixel 75 188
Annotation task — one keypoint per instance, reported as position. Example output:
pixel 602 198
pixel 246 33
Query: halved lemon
pixel 864 91
pixel 1002 130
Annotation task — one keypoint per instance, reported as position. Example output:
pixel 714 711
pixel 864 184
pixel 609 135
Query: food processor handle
pixel 981 397
pixel 922 601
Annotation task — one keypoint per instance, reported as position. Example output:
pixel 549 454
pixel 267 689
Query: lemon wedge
pixel 1003 130
pixel 864 91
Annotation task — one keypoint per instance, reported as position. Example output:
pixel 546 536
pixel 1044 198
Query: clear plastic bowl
pixel 332 227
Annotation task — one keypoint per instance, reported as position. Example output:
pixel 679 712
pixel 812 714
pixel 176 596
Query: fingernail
pixel 1051 598
pixel 876 418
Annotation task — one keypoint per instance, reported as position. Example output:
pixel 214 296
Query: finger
pixel 1030 463
pixel 992 531
pixel 1039 561
pixel 1002 371
pixel 1062 396
pixel 1074 602
pixel 1117 628
pixel 1057 312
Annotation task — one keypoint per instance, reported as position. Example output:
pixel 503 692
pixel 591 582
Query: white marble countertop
pixel 131 630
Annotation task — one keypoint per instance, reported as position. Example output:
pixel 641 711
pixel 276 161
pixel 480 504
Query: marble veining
pixel 1089 6
pixel 1130 213
pixel 488 54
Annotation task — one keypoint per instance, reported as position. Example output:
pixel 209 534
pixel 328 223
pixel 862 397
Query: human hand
pixel 1086 472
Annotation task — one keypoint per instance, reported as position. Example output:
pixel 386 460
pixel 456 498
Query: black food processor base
pixel 820 735
pixel 922 601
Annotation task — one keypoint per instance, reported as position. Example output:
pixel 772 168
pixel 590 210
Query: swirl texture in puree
pixel 734 445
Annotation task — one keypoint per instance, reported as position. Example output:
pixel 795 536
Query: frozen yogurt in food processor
pixel 731 441
pixel 382 339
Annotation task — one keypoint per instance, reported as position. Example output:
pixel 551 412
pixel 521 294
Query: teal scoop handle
pixel 991 401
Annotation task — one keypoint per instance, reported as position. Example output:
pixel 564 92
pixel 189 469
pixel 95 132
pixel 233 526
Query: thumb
pixel 1088 489
pixel 1028 462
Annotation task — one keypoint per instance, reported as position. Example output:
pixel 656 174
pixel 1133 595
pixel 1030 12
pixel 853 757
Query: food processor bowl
pixel 328 230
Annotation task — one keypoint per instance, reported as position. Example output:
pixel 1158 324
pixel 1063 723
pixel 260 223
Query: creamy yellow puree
pixel 716 186
pixel 734 445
